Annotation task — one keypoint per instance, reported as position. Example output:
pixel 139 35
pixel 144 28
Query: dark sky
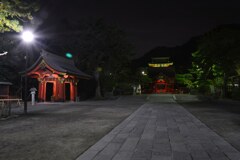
pixel 150 23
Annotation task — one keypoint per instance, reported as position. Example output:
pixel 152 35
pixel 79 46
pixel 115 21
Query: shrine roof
pixel 160 59
pixel 58 63
pixel 5 83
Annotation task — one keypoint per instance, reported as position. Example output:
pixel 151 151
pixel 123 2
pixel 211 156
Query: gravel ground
pixel 222 116
pixel 62 131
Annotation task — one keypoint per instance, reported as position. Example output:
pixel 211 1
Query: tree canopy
pixel 14 12
pixel 217 57
pixel 102 45
pixel 99 49
pixel 221 47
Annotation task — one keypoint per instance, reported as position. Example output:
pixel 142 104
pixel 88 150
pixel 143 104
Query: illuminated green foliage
pixel 185 79
pixel 13 13
pixel 217 58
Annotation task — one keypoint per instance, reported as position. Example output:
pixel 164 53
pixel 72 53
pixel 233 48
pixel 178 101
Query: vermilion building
pixel 57 77
pixel 163 73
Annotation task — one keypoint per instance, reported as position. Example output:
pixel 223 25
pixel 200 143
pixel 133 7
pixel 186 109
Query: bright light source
pixel 27 36
pixel 144 73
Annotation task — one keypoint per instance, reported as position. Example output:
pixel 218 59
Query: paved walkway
pixel 161 130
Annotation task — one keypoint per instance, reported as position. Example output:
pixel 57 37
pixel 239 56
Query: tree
pixel 105 50
pixel 185 79
pixel 101 50
pixel 14 12
pixel 217 57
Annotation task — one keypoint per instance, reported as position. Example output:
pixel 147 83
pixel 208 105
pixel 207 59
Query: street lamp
pixel 27 37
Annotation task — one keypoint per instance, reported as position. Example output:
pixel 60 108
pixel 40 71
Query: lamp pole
pixel 27 37
pixel 25 82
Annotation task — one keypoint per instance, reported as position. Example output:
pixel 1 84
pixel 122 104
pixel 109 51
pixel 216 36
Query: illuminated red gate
pixel 161 86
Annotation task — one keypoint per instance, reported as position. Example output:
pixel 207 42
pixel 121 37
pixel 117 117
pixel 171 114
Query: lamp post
pixel 27 37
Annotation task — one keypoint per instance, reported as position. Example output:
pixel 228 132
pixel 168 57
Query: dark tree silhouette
pixel 99 49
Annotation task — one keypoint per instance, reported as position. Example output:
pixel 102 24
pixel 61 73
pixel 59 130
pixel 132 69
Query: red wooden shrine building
pixel 163 74
pixel 57 77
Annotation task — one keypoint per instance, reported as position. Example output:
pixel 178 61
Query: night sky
pixel 148 23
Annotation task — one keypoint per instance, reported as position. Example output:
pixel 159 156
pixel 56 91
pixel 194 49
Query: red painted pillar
pixel 72 91
pixel 43 93
pixel 55 89
pixel 40 91
pixel 61 91
pixel 75 90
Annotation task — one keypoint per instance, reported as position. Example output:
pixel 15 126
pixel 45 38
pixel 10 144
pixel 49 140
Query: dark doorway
pixel 67 92
pixel 49 91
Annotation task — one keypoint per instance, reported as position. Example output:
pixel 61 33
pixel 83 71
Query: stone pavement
pixel 161 130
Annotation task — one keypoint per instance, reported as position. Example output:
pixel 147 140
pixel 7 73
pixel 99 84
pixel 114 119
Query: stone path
pixel 161 130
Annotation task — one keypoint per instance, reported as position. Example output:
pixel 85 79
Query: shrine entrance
pixel 67 92
pixel 57 77
pixel 49 91
pixel 162 72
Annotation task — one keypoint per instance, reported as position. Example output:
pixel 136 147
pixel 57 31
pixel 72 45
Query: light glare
pixel 27 36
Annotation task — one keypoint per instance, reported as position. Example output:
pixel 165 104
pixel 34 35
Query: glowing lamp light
pixel 68 55
pixel 27 36
pixel 144 73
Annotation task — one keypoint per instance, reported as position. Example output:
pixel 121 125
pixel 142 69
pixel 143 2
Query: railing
pixel 6 106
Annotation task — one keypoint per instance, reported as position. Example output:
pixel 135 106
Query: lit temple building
pixel 162 71
pixel 57 77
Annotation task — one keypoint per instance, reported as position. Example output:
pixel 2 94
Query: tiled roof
pixel 59 64
pixel 5 83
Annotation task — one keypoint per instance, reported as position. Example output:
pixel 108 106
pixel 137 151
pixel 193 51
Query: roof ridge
pixel 58 63
pixel 46 53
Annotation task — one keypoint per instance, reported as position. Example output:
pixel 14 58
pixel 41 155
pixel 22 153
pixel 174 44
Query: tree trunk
pixel 98 88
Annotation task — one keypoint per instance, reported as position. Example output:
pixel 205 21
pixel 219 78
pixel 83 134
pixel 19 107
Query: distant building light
pixel 143 73
pixel 159 64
